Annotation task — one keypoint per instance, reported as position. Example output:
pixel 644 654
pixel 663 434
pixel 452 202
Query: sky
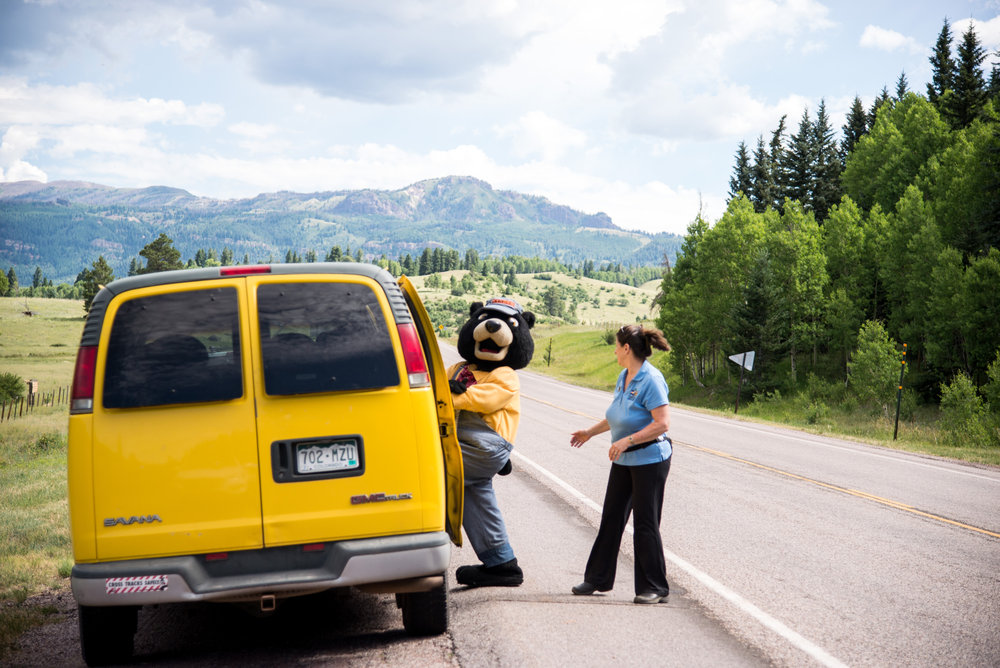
pixel 634 108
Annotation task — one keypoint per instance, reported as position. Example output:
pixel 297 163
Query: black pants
pixel 637 489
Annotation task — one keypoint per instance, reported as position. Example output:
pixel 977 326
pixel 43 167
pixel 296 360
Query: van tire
pixel 425 613
pixel 107 634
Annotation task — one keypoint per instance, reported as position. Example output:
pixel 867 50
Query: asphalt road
pixel 782 549
pixel 808 550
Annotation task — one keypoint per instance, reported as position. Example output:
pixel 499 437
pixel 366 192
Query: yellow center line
pixel 844 490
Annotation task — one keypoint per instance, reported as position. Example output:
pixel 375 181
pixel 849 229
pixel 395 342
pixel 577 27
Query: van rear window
pixel 176 348
pixel 323 337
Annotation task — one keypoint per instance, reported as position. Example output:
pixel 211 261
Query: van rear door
pixel 342 435
pixel 450 449
pixel 174 444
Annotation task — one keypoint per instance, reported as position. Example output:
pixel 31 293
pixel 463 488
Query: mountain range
pixel 64 226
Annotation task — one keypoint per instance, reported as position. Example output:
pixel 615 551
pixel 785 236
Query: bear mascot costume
pixel 494 343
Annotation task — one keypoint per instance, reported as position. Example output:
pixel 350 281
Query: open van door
pixel 454 478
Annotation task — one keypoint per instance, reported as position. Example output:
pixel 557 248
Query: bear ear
pixel 529 318
pixel 475 307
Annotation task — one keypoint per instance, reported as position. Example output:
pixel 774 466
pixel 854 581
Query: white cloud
pixel 16 143
pixel 875 37
pixel 84 103
pixel 108 140
pixel 537 133
pixel 727 111
pixel 22 171
pixel 988 32
pixel 676 85
pixel 652 207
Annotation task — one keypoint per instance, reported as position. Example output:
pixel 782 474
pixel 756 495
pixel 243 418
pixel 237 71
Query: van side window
pixel 176 348
pixel 323 337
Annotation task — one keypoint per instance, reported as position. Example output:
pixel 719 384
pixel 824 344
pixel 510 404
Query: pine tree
pixel 426 265
pixel 826 190
pixel 993 88
pixel 799 163
pixel 161 255
pixel 968 84
pixel 777 148
pixel 739 183
pixel 92 279
pixel 902 86
pixel 12 282
pixel 942 67
pixel 762 187
pixel 38 279
pixel 854 129
pixel 882 99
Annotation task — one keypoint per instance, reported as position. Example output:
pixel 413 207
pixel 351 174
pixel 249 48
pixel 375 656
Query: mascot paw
pixel 506 468
pixel 507 574
pixel 457 387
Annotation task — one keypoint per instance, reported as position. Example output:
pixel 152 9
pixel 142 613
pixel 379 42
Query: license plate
pixel 321 458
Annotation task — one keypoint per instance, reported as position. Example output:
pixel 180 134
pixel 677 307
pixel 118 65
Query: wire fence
pixel 12 409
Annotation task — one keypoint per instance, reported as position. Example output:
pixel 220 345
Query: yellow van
pixel 251 433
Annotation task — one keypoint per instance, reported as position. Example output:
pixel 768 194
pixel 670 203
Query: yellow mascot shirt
pixel 496 395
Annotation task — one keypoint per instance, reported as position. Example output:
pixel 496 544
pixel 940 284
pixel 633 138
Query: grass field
pixel 34 528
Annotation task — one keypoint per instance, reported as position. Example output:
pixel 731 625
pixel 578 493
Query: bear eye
pixel 513 322
pixel 483 316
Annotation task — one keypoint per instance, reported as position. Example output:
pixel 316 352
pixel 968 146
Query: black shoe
pixel 507 574
pixel 649 598
pixel 506 469
pixel 584 589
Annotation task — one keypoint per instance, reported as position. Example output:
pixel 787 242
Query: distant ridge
pixel 63 226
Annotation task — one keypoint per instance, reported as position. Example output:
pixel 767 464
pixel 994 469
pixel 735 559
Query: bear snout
pixel 492 326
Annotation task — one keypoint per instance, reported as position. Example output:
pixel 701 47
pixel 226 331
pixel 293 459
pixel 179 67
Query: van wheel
pixel 425 613
pixel 107 635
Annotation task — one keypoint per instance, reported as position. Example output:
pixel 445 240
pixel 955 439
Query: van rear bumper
pixel 397 563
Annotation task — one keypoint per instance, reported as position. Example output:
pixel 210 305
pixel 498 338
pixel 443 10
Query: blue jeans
pixel 482 520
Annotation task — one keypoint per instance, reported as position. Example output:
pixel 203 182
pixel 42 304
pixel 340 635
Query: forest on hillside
pixel 60 227
pixel 884 243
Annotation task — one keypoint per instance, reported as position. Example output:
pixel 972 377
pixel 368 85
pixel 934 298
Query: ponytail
pixel 642 340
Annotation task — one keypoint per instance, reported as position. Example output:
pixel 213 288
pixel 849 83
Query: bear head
pixel 496 334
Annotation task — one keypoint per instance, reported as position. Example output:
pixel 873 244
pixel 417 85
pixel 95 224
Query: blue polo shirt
pixel 631 411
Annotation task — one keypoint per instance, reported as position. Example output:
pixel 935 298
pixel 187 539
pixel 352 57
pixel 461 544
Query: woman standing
pixel 640 454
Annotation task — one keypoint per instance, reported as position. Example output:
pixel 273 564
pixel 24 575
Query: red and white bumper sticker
pixel 136 584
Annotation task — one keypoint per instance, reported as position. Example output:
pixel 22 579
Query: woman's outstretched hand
pixel 578 438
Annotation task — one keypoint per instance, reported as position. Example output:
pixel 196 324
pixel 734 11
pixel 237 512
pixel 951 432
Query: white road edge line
pixel 766 620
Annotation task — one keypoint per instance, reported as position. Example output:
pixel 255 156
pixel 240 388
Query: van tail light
pixel 413 355
pixel 82 396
